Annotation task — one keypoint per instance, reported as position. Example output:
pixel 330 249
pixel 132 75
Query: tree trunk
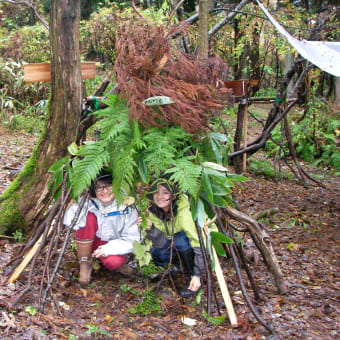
pixel 237 161
pixel 25 200
pixel 255 59
pixel 337 93
pixel 203 44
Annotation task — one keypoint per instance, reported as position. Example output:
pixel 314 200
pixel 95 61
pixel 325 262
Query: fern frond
pixel 137 137
pixel 160 152
pixel 114 122
pixel 187 175
pixel 86 169
pixel 112 100
pixel 177 136
pixel 124 173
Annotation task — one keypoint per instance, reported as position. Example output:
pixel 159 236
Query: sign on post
pixel 42 72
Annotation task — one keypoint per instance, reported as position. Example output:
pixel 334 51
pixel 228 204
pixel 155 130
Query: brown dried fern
pixel 148 64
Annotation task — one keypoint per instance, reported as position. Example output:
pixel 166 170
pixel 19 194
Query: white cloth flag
pixel 323 54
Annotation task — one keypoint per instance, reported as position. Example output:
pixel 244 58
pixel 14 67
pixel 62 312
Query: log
pixel 262 241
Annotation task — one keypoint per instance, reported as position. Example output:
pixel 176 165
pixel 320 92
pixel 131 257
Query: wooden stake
pixel 28 257
pixel 224 290
pixel 245 137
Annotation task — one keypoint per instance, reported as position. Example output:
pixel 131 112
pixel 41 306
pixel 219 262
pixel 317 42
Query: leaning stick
pixel 27 259
pixel 62 251
pixel 224 290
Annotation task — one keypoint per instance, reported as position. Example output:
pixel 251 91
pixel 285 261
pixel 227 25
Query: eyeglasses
pixel 102 188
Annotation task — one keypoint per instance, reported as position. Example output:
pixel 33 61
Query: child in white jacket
pixel 103 229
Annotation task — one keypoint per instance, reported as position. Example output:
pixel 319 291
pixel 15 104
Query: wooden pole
pixel 224 289
pixel 28 257
pixel 245 137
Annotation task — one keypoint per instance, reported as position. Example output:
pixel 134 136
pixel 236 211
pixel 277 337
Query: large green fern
pixel 135 153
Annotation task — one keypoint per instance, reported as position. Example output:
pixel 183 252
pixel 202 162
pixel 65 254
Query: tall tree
pixel 203 44
pixel 25 200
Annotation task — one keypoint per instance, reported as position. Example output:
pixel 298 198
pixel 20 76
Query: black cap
pixel 104 176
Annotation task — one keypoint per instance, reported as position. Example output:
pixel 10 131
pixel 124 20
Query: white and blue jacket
pixel 116 225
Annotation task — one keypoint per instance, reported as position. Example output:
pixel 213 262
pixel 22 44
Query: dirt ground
pixel 305 235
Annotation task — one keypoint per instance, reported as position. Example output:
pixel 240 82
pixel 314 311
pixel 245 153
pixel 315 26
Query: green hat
pixel 163 179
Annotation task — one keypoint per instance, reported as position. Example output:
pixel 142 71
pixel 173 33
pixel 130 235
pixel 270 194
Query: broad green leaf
pixel 237 178
pixel 215 166
pixel 142 253
pixel 211 172
pixel 220 237
pixel 216 148
pixel 73 149
pixel 218 247
pixel 143 170
pixel 221 137
pixel 216 320
pixel 207 187
pixel 58 180
pixel 198 296
pixel 220 189
pixel 221 201
pixel 198 212
pixel 59 165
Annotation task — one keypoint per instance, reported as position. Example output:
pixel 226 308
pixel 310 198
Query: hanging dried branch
pixel 149 65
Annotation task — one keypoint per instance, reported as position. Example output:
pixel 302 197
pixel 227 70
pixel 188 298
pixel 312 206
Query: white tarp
pixel 324 54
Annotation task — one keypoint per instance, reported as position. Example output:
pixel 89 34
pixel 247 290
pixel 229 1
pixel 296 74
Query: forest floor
pixel 305 235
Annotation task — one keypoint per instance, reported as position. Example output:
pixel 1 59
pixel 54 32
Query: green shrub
pixel 315 138
pixel 29 44
pixel 12 85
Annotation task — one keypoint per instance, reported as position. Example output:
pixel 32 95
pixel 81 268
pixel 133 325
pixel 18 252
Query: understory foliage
pixel 148 65
pixel 137 154
pixel 316 137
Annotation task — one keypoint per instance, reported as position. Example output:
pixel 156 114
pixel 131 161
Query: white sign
pixel 158 100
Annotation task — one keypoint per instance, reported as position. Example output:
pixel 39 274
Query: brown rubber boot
pixel 84 251
pixel 126 270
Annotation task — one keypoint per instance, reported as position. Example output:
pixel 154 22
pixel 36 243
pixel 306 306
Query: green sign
pixel 158 100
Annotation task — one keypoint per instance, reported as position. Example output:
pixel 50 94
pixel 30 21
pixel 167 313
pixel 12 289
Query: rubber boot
pixel 187 260
pixel 126 270
pixel 84 251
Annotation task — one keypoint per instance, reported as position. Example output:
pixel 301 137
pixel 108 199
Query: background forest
pixel 293 162
pixel 248 43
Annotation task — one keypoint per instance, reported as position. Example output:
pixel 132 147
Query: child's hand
pixel 98 253
pixel 195 283
pixel 140 219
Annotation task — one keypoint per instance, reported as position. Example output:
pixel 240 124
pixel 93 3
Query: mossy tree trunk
pixel 23 203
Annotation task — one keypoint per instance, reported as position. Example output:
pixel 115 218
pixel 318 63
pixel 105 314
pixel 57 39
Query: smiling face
pixel 162 198
pixel 104 192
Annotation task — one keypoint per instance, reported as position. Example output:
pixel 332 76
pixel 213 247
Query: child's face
pixel 104 192
pixel 162 197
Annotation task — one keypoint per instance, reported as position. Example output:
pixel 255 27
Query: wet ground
pixel 305 234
